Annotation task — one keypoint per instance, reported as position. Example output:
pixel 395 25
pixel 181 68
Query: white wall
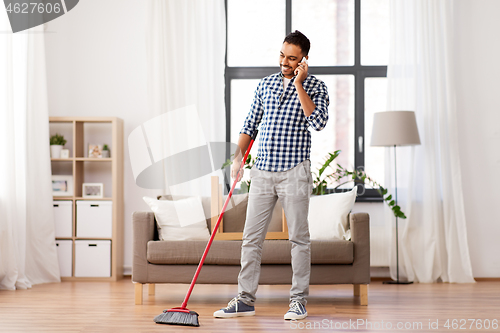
pixel 477 54
pixel 96 66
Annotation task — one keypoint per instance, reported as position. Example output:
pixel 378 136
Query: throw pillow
pixel 328 215
pixel 179 220
pixel 235 216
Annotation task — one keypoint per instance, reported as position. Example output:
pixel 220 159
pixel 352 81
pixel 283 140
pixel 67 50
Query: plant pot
pixel 105 153
pixel 55 151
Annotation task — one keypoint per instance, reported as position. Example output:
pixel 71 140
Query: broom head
pixel 178 316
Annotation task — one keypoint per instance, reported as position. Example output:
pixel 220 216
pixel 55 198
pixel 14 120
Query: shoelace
pixel 232 302
pixel 296 307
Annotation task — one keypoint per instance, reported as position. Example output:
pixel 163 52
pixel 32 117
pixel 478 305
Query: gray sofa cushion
pixel 229 252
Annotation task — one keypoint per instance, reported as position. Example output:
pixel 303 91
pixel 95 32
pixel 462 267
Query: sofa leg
pixel 138 293
pixel 151 289
pixel 356 289
pixel 361 290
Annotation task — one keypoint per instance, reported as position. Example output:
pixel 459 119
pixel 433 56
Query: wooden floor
pixel 109 307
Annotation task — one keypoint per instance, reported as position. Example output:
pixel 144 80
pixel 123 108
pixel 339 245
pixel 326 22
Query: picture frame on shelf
pixel 62 185
pixel 93 190
pixel 65 153
pixel 95 151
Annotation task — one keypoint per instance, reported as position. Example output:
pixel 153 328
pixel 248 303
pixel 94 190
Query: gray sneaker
pixel 297 311
pixel 235 308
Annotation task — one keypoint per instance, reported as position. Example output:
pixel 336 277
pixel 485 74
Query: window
pixel 349 52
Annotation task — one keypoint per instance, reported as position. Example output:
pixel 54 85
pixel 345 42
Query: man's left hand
pixel 301 72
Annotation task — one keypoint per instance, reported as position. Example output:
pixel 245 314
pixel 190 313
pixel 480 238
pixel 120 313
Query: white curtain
pixel 186 52
pixel 27 241
pixel 433 238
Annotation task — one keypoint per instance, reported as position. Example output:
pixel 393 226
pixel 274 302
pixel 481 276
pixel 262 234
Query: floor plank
pixel 109 307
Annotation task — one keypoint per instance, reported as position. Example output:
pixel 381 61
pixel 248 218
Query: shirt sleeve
pixel 319 117
pixel 253 118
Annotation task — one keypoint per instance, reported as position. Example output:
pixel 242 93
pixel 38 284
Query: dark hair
pixel 299 39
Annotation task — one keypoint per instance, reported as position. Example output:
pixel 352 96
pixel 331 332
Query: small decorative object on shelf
pixel 93 190
pixel 57 143
pixel 62 185
pixel 65 153
pixel 95 151
pixel 105 151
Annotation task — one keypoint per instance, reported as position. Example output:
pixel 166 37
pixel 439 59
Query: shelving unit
pixel 79 132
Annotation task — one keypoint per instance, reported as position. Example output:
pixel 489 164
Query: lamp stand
pixel 397 232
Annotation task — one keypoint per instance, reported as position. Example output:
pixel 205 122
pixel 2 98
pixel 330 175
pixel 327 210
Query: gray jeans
pixel 293 188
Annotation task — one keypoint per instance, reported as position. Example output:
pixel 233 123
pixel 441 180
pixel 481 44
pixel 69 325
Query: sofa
pixel 332 261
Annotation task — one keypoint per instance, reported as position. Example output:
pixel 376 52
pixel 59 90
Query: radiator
pixel 379 247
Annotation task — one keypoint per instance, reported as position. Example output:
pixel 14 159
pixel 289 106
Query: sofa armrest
pixel 360 236
pixel 143 228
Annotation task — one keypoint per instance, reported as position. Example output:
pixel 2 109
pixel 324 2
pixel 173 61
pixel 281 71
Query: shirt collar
pixel 281 76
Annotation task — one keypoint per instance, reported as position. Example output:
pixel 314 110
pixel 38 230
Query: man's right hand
pixel 235 167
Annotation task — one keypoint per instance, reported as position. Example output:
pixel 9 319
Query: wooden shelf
pixel 83 238
pixel 84 159
pixel 76 129
pixel 90 159
pixel 94 199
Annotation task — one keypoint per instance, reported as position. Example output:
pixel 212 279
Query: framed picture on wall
pixel 93 190
pixel 62 185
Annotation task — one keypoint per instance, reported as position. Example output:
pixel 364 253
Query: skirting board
pixel 127 270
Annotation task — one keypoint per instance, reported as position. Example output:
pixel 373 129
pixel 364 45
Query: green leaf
pixel 245 187
pixel 388 198
pixel 328 161
pixel 227 163
pixel 392 203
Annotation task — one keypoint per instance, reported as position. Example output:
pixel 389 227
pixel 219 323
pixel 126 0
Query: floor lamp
pixel 391 129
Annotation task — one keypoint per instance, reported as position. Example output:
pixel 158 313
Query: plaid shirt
pixel 285 140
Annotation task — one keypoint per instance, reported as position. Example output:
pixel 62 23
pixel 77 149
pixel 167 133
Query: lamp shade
pixel 395 128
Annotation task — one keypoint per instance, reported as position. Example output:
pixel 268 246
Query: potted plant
pixel 339 174
pixel 57 143
pixel 105 151
pixel 356 176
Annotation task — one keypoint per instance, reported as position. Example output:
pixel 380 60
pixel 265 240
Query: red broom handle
pixel 195 277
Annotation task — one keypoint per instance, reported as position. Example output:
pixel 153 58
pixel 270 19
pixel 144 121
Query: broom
pixel 181 315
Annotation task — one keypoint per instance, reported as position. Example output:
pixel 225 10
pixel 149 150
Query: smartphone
pixel 303 60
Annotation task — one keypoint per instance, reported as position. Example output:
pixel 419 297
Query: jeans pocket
pixel 307 170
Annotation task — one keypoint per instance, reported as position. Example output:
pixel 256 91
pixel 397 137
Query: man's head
pixel 295 46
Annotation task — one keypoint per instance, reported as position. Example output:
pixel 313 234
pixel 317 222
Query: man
pixel 285 105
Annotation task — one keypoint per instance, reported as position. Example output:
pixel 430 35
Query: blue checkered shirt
pixel 285 140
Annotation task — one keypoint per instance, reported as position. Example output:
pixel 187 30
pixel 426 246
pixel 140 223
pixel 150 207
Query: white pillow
pixel 328 215
pixel 180 219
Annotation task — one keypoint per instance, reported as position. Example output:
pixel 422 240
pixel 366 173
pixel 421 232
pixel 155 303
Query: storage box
pixel 65 256
pixel 92 258
pixel 63 218
pixel 94 219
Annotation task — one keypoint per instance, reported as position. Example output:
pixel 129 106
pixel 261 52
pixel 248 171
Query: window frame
pixel 359 71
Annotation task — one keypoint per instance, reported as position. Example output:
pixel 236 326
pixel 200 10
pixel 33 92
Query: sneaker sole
pixel 294 316
pixel 221 314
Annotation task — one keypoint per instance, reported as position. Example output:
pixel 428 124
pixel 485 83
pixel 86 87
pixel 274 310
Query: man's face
pixel 290 56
